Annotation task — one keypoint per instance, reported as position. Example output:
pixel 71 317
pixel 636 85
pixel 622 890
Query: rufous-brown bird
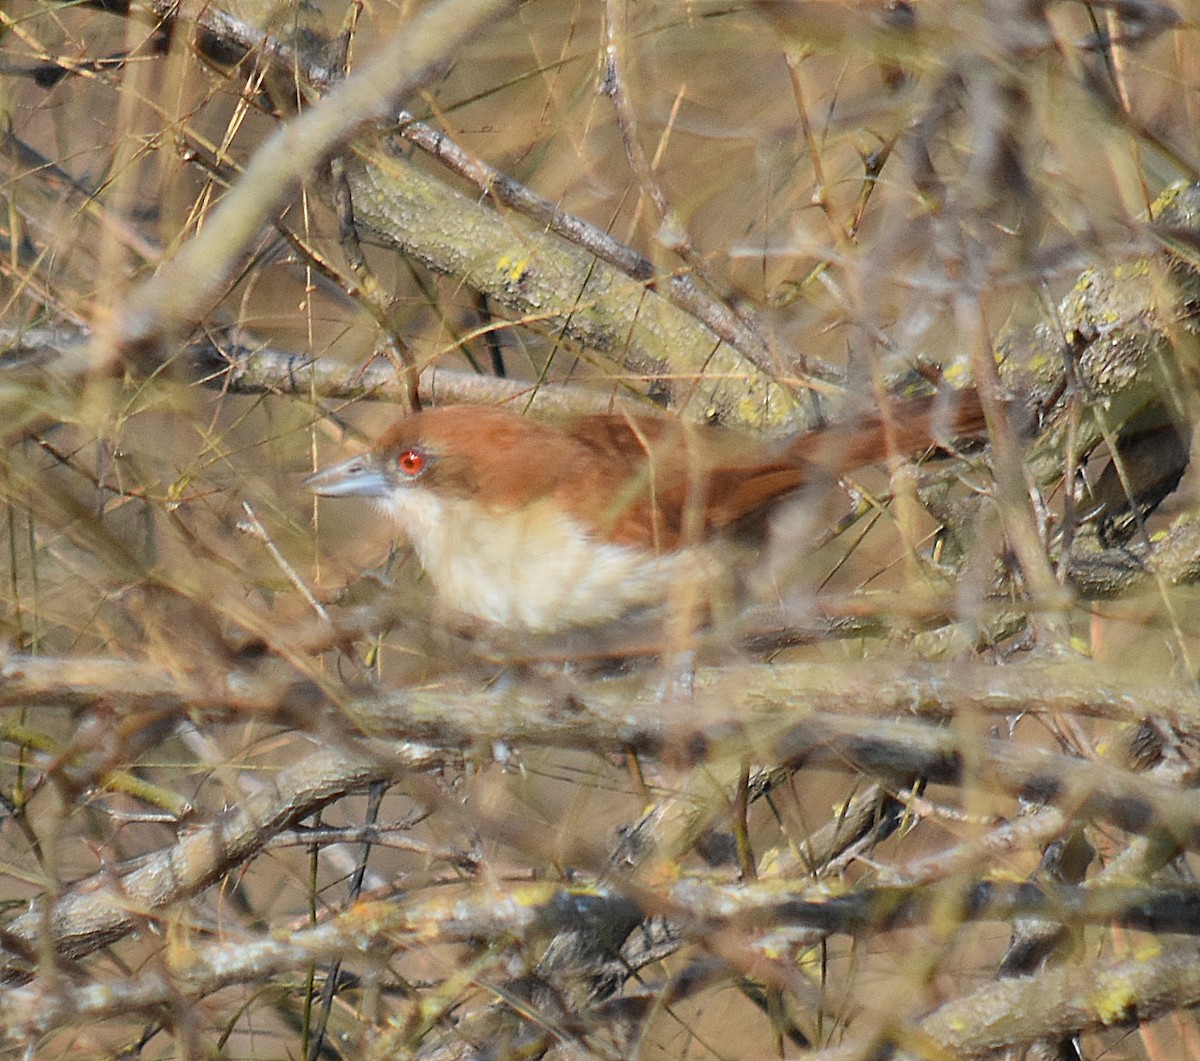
pixel 540 528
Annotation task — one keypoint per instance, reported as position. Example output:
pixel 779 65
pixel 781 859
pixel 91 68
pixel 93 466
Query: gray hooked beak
pixel 359 476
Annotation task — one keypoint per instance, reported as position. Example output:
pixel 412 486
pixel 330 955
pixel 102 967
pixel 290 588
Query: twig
pixel 256 530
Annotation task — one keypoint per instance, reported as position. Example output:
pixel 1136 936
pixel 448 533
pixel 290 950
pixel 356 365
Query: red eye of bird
pixel 411 462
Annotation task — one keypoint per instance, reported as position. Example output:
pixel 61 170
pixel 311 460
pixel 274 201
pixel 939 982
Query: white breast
pixel 531 568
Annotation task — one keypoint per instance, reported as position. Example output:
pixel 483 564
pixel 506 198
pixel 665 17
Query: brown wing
pixel 740 493
pixel 683 481
pixel 689 482
pixel 644 464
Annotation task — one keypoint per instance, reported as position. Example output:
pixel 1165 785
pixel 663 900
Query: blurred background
pixel 810 205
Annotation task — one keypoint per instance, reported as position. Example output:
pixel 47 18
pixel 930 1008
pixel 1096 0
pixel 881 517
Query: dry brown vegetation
pixel 258 800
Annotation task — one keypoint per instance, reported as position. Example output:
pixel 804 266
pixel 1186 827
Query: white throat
pixel 532 567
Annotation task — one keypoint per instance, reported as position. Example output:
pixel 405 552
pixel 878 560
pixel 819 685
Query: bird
pixel 533 528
